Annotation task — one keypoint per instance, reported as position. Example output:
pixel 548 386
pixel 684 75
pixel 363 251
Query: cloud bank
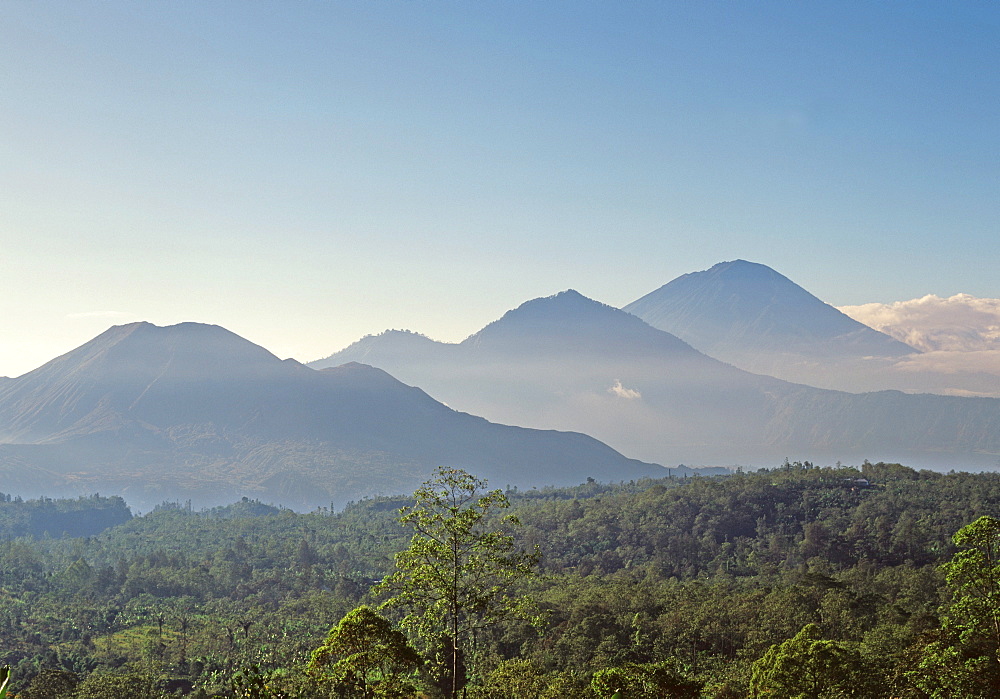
pixel 960 323
pixel 622 392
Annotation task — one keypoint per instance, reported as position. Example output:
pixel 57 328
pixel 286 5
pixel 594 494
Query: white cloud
pixel 622 392
pixel 968 373
pixel 960 323
pixel 953 362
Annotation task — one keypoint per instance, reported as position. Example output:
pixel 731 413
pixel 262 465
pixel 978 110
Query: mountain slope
pixel 553 362
pixel 739 308
pixel 567 362
pixel 137 375
pixel 751 316
pixel 191 409
pixel 570 321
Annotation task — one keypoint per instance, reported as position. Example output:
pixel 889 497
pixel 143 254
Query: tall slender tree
pixel 973 575
pixel 457 575
pixel 963 659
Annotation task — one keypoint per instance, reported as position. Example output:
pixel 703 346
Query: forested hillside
pixel 693 582
pixel 84 516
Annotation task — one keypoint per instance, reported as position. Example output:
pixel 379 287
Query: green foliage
pixel 711 572
pixel 938 667
pixel 364 656
pixel 51 683
pixel 524 679
pixel 809 667
pixel 973 576
pixel 4 680
pixel 644 681
pixel 458 574
pixel 251 683
pixel 83 516
pixel 132 685
pixel 963 659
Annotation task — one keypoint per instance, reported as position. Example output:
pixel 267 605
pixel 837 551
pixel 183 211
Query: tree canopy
pixel 458 573
pixel 364 656
pixel 701 576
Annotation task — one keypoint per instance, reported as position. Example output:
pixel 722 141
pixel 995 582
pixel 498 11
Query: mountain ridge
pixel 568 316
pixel 567 362
pixel 192 405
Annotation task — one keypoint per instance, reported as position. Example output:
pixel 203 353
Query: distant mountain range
pixel 567 362
pixel 194 411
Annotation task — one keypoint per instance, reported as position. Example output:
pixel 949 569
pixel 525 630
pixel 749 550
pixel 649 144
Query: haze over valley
pixel 194 412
pixel 568 362
pixel 558 390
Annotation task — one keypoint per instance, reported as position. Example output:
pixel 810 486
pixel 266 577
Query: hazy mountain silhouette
pixel 567 362
pixel 751 316
pixel 195 411
pixel 741 308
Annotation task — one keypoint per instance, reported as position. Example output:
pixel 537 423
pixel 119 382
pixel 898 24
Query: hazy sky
pixel 304 173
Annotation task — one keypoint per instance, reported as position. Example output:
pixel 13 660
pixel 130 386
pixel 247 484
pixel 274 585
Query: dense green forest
pixel 792 581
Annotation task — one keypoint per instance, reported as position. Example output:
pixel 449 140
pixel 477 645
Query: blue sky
pixel 304 173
